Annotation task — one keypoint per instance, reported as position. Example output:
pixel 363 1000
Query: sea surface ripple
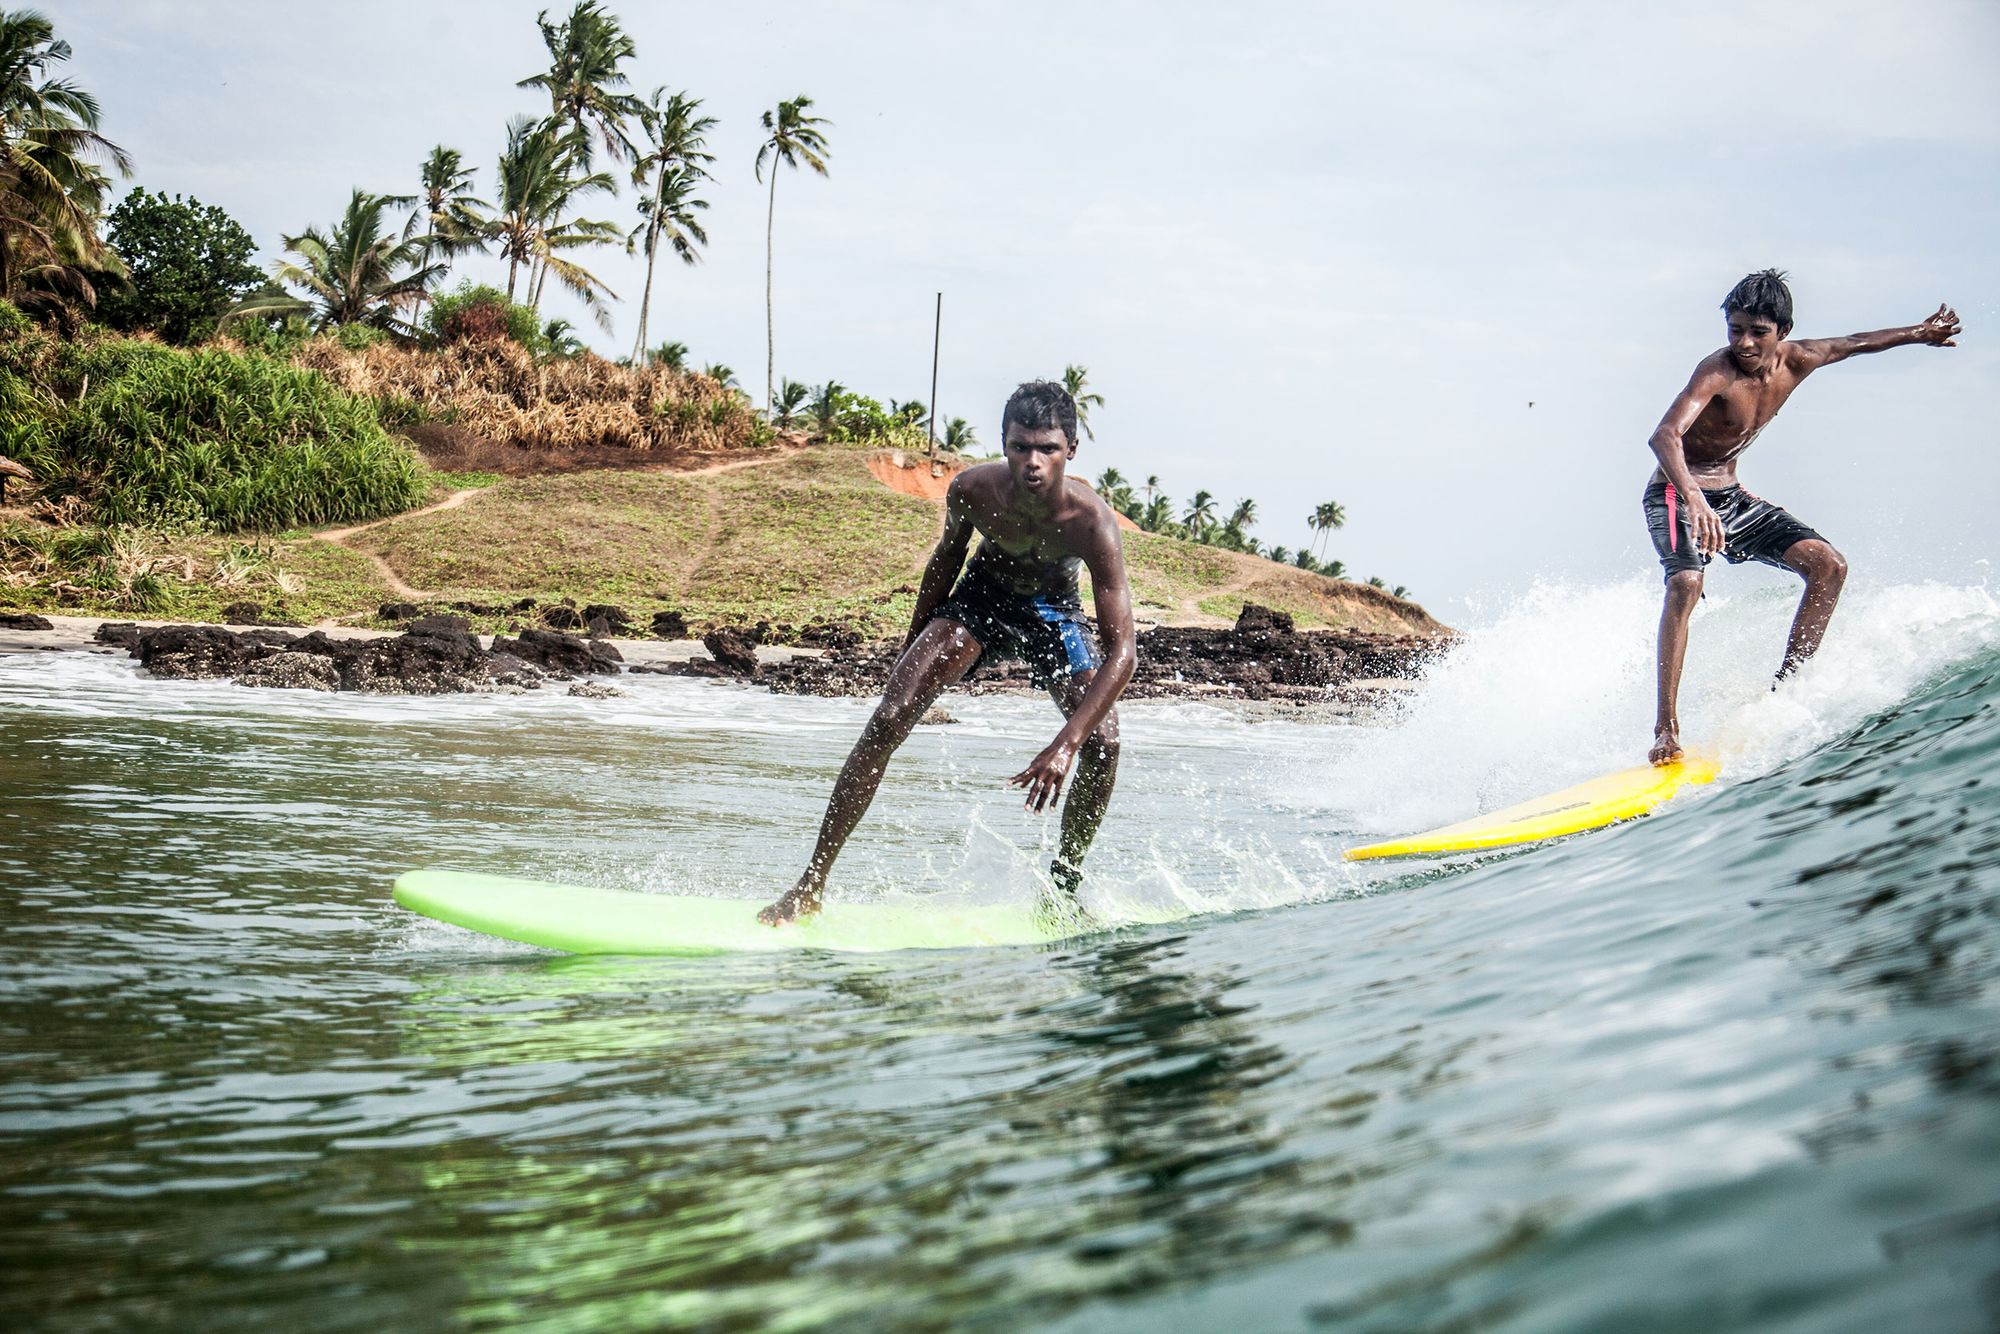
pixel 1733 1067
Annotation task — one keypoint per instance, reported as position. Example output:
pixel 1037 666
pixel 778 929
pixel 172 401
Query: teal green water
pixel 1735 1067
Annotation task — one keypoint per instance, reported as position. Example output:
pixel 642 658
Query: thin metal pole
pixel 937 330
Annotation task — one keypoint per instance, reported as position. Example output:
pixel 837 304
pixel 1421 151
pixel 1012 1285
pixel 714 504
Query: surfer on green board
pixel 1018 598
pixel 1694 506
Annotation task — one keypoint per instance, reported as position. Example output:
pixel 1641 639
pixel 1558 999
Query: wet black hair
pixel 1762 293
pixel 1039 404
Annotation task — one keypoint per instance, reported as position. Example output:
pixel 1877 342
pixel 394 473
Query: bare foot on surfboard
pixel 1666 747
pixel 796 902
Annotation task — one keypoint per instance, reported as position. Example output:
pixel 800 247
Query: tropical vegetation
pixel 188 265
pixel 277 415
pixel 52 188
pixel 791 137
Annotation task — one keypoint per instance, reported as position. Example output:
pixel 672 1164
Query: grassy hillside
pixel 789 537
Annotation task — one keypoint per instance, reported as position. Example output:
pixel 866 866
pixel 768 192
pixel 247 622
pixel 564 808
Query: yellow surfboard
pixel 1573 810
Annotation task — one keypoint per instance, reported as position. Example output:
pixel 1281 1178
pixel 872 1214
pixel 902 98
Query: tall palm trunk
pixel 770 338
pixel 417 310
pixel 652 250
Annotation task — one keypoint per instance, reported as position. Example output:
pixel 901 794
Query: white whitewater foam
pixel 1560 688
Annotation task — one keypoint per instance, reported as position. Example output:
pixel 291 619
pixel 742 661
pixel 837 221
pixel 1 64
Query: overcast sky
pixel 1307 252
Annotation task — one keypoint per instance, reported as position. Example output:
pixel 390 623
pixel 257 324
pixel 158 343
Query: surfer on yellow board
pixel 1018 599
pixel 1694 506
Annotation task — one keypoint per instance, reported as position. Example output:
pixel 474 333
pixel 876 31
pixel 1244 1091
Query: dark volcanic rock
pixel 839 674
pixel 418 664
pixel 1254 619
pixel 399 611
pixel 242 613
pixel 292 671
pixel 560 617
pixel 734 650
pixel 438 623
pixel 559 653
pixel 125 634
pixel 617 619
pixel 24 620
pixel 669 625
pixel 195 652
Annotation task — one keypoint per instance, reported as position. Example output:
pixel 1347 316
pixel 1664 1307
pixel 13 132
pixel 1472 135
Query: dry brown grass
pixel 499 391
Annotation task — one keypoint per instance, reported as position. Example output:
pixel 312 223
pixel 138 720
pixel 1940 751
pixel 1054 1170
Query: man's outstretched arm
pixel 1936 331
pixel 1043 778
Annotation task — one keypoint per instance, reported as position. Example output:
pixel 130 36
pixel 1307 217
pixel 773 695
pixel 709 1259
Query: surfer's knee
pixel 892 720
pixel 1684 587
pixel 1823 567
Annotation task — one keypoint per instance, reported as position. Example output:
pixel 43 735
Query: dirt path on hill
pixel 339 536
pixel 1190 607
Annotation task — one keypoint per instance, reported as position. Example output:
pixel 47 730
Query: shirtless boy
pixel 1018 599
pixel 1694 507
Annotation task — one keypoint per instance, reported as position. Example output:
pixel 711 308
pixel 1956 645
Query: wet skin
pixel 1732 396
pixel 1033 521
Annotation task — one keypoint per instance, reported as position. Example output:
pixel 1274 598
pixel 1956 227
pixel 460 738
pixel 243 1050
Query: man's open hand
pixel 1941 328
pixel 1044 777
pixel 1707 525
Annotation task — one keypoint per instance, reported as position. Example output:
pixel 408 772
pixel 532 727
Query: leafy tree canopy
pixel 189 262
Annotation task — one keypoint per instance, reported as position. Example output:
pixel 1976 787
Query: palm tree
pixel 1200 516
pixel 1074 378
pixel 1399 591
pixel 1159 513
pixel 1282 555
pixel 359 272
pixel 792 396
pixel 720 373
pixel 676 135
pixel 559 336
pixel 1304 559
pixel 1117 492
pixel 1326 516
pixel 584 54
pixel 536 187
pixel 452 215
pixel 1375 581
pixel 958 435
pixel 51 192
pixel 671 355
pixel 792 137
pixel 1244 516
pixel 1152 487
pixel 1333 569
pixel 827 401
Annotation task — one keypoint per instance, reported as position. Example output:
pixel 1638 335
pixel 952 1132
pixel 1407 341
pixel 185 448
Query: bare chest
pixel 1733 417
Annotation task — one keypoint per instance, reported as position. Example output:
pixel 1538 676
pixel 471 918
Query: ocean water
pixel 1733 1067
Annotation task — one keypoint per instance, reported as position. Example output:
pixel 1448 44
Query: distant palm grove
pixel 179 272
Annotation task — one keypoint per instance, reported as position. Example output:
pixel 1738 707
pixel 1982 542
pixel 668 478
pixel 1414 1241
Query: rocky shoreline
pixel 1262 658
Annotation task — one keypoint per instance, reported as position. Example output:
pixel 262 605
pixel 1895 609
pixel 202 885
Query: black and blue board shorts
pixel 1049 637
pixel 1752 528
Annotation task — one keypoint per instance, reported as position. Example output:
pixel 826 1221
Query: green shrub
pixel 477 312
pixel 12 322
pixel 355 337
pixel 273 338
pixel 231 442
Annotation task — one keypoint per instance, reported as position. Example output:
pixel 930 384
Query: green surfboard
pixel 586 920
